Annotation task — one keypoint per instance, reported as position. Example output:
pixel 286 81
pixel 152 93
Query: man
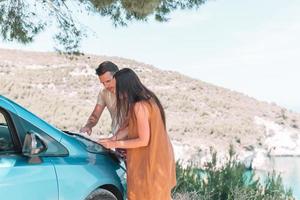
pixel 106 98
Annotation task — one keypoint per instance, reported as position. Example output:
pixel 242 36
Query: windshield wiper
pixel 81 136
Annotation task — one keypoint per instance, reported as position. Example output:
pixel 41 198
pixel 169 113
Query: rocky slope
pixel 199 115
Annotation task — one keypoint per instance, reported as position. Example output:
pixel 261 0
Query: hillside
pixel 199 114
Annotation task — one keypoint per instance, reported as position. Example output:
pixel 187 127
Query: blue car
pixel 41 162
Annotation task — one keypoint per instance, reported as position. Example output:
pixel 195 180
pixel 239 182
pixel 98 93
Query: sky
pixel 249 46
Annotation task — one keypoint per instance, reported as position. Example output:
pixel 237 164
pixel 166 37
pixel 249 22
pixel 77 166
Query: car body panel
pixel 21 180
pixel 87 181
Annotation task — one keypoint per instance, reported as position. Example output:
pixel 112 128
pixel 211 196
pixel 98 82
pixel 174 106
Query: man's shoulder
pixel 101 91
pixel 104 93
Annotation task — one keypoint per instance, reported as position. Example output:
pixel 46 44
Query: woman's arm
pixel 142 117
pixel 121 134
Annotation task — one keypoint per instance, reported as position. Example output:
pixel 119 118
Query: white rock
pixel 280 140
pixel 261 161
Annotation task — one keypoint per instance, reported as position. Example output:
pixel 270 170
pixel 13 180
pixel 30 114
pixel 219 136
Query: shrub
pixel 231 181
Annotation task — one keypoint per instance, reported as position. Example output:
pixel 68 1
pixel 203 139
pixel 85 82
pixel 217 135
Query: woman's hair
pixel 130 90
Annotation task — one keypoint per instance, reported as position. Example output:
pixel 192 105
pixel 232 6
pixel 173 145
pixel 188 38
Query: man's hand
pixel 86 129
pixel 93 119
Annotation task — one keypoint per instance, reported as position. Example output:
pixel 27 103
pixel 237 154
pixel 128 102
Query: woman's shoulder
pixel 141 104
pixel 145 104
pixel 148 102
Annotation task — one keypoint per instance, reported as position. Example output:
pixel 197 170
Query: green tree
pixel 22 20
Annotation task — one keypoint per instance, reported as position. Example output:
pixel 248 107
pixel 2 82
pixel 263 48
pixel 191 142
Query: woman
pixel 151 172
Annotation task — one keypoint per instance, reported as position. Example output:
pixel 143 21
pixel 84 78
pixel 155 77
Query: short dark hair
pixel 107 66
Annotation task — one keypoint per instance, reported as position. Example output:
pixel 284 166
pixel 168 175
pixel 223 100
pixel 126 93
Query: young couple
pixel 139 127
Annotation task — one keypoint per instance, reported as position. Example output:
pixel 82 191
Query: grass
pixel 230 181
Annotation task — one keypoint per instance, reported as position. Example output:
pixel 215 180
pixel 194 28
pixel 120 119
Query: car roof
pixel 25 114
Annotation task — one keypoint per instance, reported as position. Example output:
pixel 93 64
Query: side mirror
pixel 33 145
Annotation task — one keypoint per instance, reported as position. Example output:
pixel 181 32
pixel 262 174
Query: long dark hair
pixel 129 90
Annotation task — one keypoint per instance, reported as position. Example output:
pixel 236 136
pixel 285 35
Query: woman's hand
pixel 107 143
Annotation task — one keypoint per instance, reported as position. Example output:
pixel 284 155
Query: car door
pixel 19 177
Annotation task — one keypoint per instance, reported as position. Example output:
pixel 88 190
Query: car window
pixel 54 148
pixel 6 143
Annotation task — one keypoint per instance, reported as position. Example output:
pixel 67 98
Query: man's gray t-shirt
pixel 108 99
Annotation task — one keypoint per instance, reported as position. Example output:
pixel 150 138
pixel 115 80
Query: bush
pixel 231 181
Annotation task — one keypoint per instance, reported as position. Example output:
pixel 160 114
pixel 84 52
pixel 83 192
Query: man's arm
pixel 93 119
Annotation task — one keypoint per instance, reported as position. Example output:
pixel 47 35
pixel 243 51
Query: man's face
pixel 108 81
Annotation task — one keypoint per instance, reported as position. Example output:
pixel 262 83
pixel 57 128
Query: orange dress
pixel 151 170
